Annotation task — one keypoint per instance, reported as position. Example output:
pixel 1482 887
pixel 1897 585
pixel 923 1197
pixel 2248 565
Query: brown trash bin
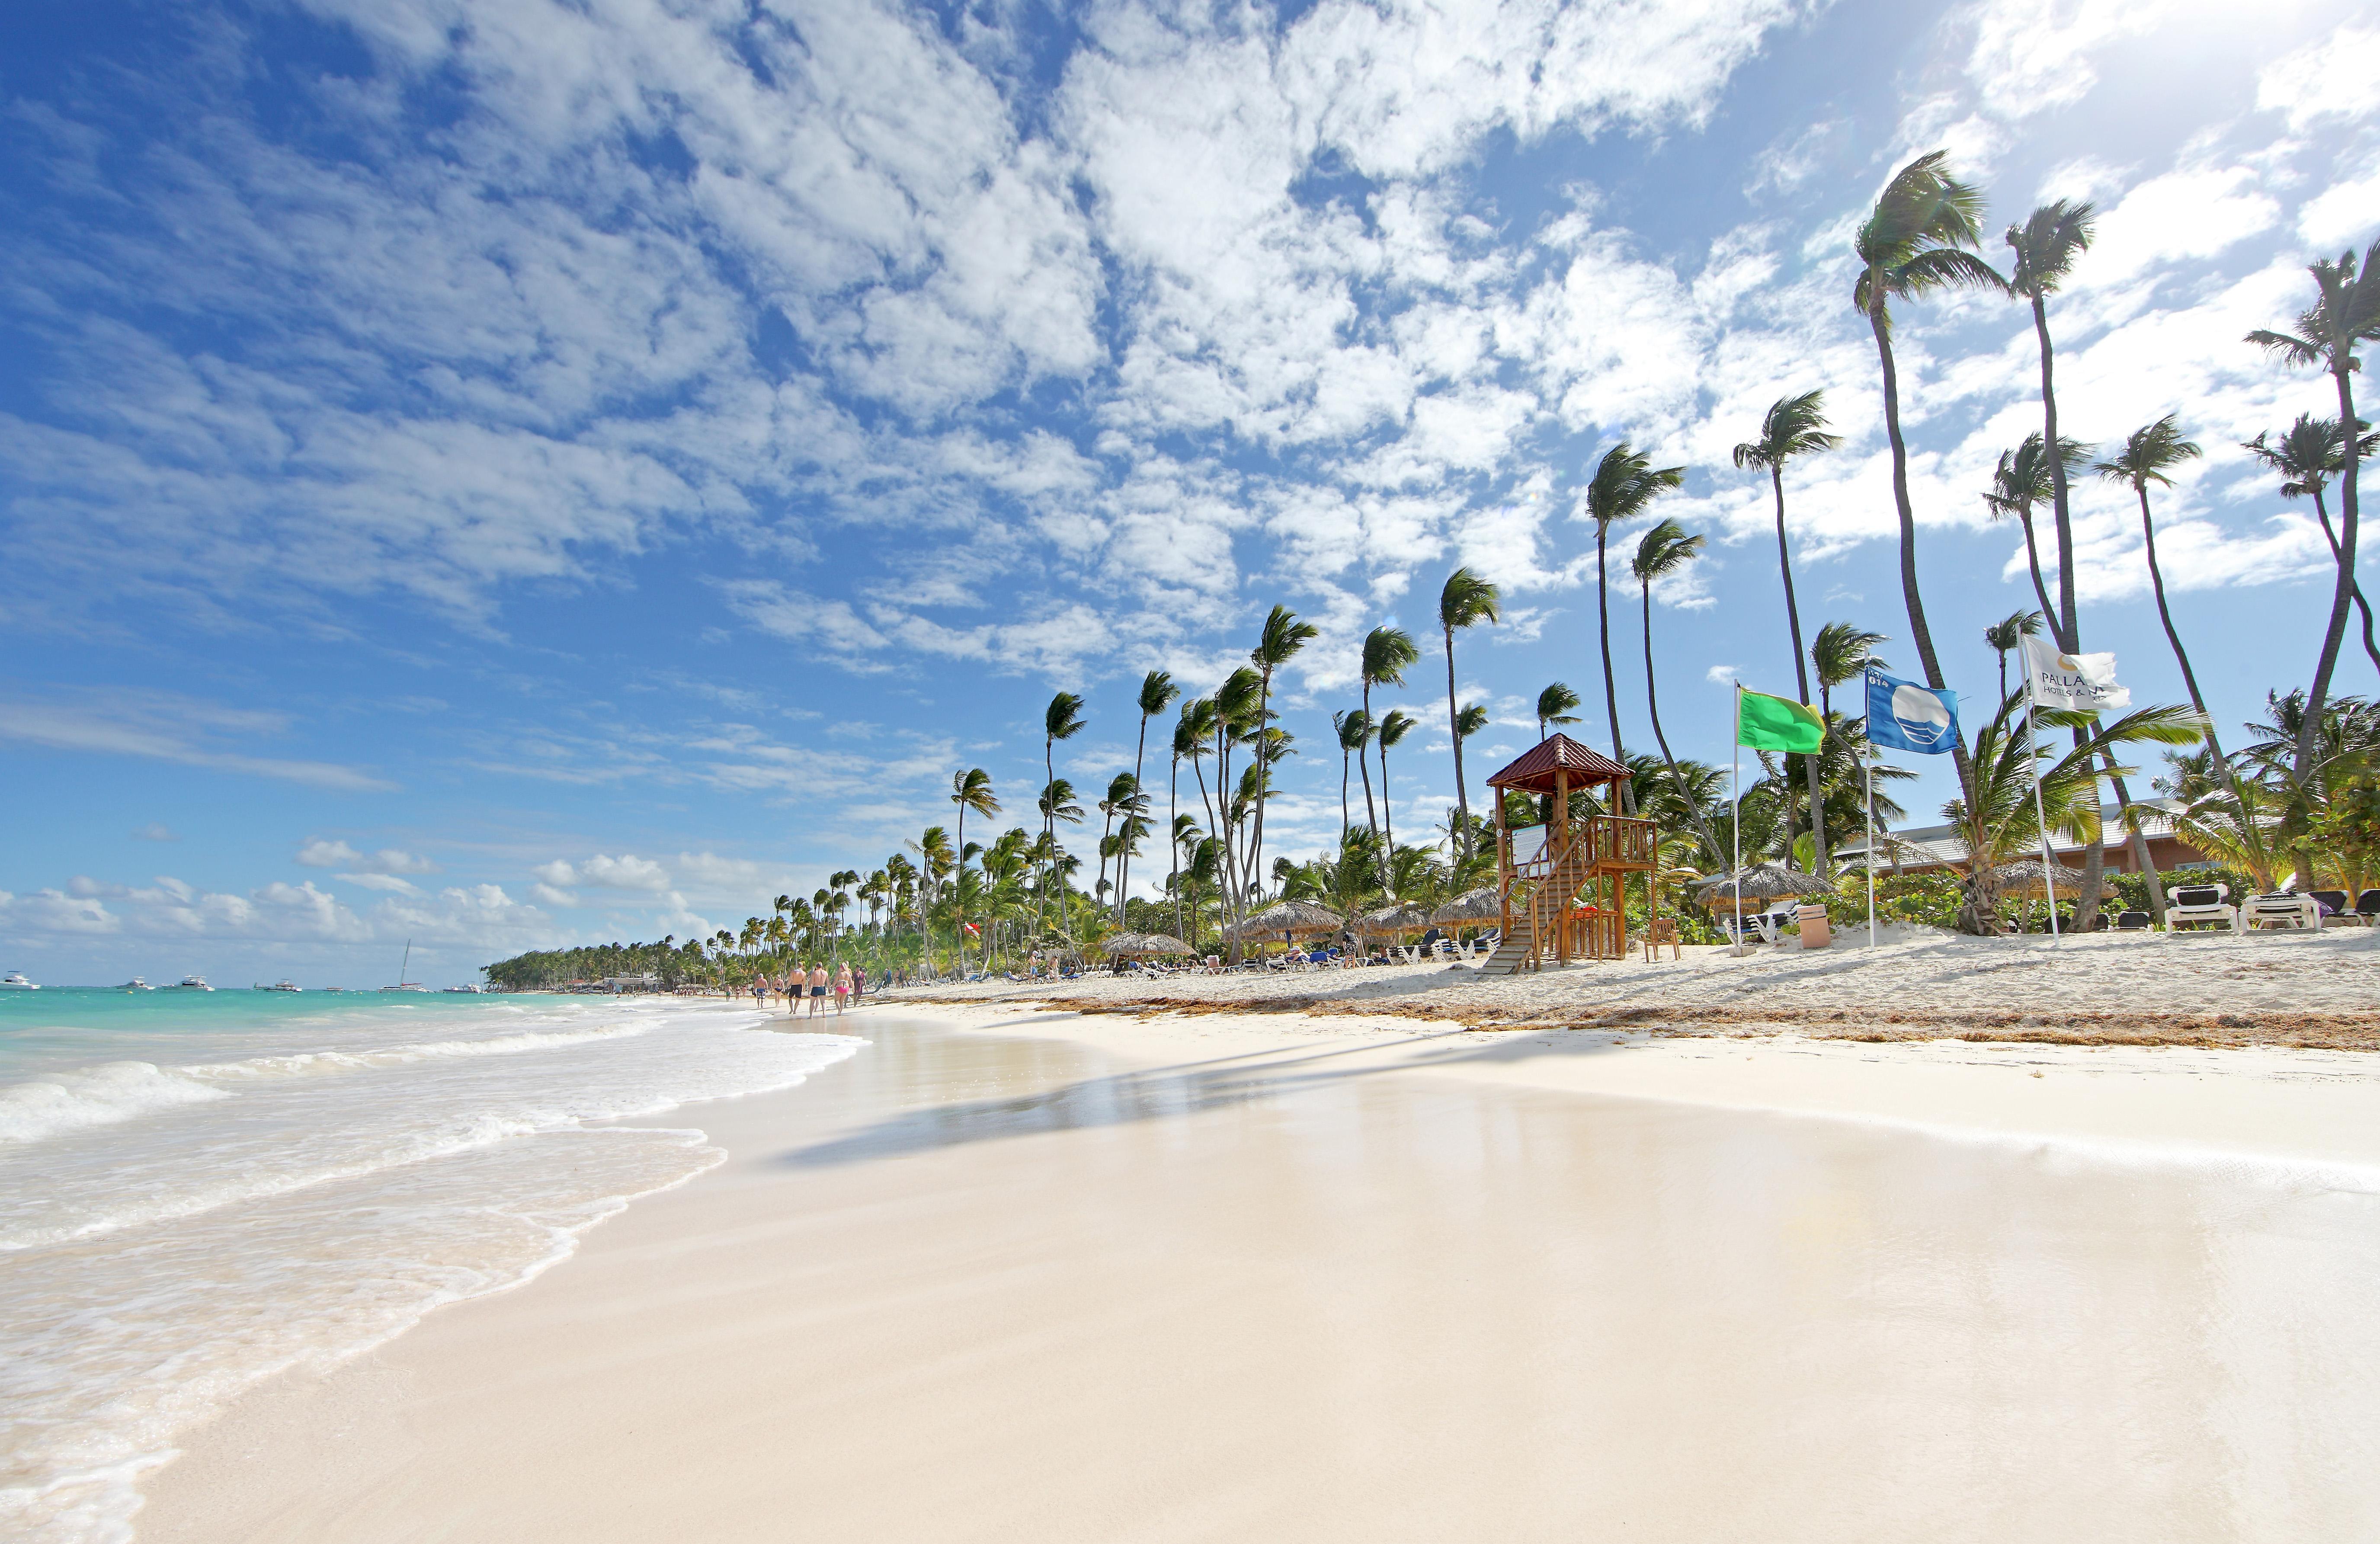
pixel 1814 934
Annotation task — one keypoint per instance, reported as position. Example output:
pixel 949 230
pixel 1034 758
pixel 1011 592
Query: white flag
pixel 2085 681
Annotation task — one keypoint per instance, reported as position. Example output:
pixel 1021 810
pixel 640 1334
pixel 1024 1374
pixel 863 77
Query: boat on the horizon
pixel 471 986
pixel 193 983
pixel 136 984
pixel 15 981
pixel 401 984
pixel 284 984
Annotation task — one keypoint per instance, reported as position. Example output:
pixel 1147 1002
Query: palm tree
pixel 2346 313
pixel 2022 482
pixel 1465 600
pixel 1911 244
pixel 1283 637
pixel 1392 729
pixel 971 790
pixel 1063 720
pixel 1157 694
pixel 2144 459
pixel 1236 723
pixel 1554 705
pixel 1794 426
pixel 1625 480
pixel 1663 551
pixel 1842 650
pixel 1197 721
pixel 2045 247
pixel 1389 652
pixel 2308 454
pixel 1124 792
pixel 2010 633
pixel 1354 733
pixel 1189 742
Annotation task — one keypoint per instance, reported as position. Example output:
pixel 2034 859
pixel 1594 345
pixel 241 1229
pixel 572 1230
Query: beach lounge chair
pixel 2191 906
pixel 2335 909
pixel 2280 911
pixel 2367 906
pixel 2134 921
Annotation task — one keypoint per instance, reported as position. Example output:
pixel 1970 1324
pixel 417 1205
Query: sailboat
pixel 401 984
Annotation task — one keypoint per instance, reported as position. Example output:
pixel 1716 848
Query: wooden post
pixel 1557 844
pixel 1503 865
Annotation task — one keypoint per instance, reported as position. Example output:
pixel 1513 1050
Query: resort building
pixel 1924 849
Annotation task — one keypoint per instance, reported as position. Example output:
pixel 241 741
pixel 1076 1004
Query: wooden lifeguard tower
pixel 1566 900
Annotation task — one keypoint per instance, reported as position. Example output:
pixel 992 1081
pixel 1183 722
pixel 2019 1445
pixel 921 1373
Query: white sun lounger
pixel 2296 913
pixel 2188 905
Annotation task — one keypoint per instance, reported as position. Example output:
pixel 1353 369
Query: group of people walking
pixel 815 988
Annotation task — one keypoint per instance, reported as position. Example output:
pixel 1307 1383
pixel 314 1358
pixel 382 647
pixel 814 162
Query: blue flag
pixel 1903 715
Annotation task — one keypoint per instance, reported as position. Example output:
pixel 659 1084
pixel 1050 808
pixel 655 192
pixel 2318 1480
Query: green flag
pixel 1766 722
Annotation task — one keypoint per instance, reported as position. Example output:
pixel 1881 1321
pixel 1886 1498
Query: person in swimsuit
pixel 818 990
pixel 841 989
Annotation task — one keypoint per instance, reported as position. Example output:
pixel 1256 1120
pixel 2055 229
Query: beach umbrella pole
pixel 1870 769
pixel 2032 745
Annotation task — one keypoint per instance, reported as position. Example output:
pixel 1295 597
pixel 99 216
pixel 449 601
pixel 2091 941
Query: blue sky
pixel 510 473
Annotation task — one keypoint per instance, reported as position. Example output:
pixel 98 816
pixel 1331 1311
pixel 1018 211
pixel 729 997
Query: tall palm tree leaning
pixel 1354 733
pixel 1283 637
pixel 1554 705
pixel 971 790
pixel 1661 551
pixel 2021 484
pixel 2308 454
pixel 2346 313
pixel 1911 244
pixel 1842 650
pixel 1393 728
pixel 1063 720
pixel 1465 600
pixel 2045 248
pixel 1793 426
pixel 2009 634
pixel 1625 480
pixel 1157 694
pixel 1389 652
pixel 2147 455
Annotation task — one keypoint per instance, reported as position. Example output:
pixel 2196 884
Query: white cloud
pixel 2324 81
pixel 625 872
pixel 156 830
pixel 162 727
pixel 389 882
pixel 2342 215
pixel 1722 674
pixel 323 853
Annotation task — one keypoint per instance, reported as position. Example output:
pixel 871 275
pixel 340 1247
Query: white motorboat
pixel 15 981
pixel 473 987
pixel 284 984
pixel 192 984
pixel 136 984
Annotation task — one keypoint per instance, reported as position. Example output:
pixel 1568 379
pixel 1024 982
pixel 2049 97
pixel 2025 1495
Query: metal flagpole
pixel 1871 846
pixel 2032 745
pixel 1737 831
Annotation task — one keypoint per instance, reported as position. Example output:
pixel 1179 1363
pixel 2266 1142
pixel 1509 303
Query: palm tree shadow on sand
pixel 1121 1098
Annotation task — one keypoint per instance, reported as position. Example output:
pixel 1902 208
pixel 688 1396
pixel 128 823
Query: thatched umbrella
pixel 2022 880
pixel 1141 944
pixel 1292 916
pixel 1483 904
pixel 1763 883
pixel 1405 916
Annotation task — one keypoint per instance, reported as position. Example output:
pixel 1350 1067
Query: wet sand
pixel 1121 1285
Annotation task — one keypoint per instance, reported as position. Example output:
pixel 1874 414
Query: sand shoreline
pixel 1020 1273
pixel 2306 991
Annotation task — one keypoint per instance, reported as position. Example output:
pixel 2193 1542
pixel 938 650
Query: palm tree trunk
pixel 1172 842
pixel 1343 796
pixel 1801 673
pixel 1610 692
pixel 2181 655
pixel 2361 603
pixel 1124 859
pixel 1264 759
pixel 1653 706
pixel 1454 729
pixel 2064 615
pixel 1389 829
pixel 1919 633
pixel 1364 765
pixel 2336 634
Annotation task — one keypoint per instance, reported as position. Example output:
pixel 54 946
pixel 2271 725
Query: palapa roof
pixel 1483 904
pixel 1292 916
pixel 1405 916
pixel 1143 943
pixel 1533 772
pixel 1762 881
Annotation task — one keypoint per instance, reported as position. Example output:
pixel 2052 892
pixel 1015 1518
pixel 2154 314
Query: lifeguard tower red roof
pixel 1533 772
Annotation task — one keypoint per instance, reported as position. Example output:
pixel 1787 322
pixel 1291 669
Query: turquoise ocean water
pixel 200 1189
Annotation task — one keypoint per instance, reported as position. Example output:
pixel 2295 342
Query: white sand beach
pixel 1009 1274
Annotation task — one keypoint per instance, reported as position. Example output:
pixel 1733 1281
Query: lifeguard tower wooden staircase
pixel 1542 914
